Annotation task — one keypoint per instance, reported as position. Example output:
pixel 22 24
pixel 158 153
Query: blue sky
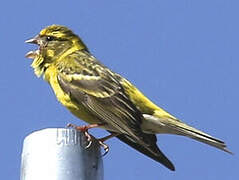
pixel 182 54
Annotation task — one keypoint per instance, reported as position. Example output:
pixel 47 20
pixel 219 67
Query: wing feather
pixel 98 89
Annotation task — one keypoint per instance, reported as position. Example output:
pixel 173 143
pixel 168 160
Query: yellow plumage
pixel 95 94
pixel 51 77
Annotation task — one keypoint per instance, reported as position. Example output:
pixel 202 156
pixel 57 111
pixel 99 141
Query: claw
pixel 89 139
pixel 88 136
pixel 84 129
pixel 105 147
pixel 88 145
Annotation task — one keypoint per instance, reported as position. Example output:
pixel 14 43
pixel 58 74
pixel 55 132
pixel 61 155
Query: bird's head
pixel 53 42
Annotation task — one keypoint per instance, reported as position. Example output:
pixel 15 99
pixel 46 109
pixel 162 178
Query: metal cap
pixel 60 154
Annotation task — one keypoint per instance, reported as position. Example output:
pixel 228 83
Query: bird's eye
pixel 49 38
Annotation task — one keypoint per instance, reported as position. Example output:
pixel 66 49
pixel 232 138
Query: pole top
pixel 60 154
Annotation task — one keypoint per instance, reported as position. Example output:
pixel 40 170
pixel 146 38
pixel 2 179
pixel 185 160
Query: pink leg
pixel 85 129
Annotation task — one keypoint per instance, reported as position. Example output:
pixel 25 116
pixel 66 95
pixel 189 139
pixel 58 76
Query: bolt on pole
pixel 60 154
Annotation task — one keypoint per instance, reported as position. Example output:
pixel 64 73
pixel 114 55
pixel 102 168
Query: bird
pixel 103 98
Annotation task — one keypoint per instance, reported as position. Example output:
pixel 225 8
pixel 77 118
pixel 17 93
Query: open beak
pixel 34 40
pixel 33 54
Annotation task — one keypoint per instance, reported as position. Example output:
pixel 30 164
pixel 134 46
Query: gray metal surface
pixel 60 154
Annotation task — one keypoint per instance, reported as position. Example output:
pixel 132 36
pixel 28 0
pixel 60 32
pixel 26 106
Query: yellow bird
pixel 102 98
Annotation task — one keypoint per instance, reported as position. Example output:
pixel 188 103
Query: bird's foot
pixel 84 129
pixel 105 146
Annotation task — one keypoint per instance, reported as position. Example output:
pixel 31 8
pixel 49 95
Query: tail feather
pixel 185 130
pixel 169 125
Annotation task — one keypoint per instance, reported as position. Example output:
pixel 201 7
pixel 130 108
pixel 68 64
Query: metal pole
pixel 60 154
